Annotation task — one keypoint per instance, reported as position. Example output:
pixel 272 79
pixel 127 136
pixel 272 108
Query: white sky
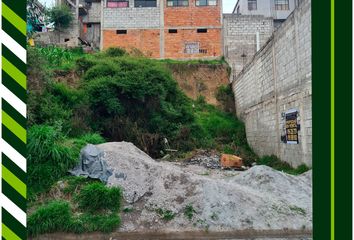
pixel 228 5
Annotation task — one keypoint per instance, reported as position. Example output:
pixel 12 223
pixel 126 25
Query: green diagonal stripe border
pixel 13 123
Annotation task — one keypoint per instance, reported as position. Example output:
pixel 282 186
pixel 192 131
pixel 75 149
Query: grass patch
pixel 274 162
pixel 57 216
pixel 298 210
pixel 167 215
pixel 97 197
pixel 54 216
pixel 189 211
pixel 128 210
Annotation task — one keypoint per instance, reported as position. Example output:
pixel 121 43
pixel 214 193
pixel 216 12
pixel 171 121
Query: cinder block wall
pixel 279 79
pixel 240 43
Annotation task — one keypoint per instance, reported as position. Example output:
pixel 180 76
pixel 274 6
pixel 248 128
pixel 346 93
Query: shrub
pixel 56 55
pixel 53 217
pixel 48 156
pixel 83 64
pixel 96 197
pixel 274 162
pixel 61 16
pixel 37 74
pixel 136 94
pixel 225 96
pixel 115 52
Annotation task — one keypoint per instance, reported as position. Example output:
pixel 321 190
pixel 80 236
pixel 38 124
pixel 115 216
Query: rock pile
pixel 260 198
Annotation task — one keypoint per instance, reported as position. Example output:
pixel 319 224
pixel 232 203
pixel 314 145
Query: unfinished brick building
pixel 180 29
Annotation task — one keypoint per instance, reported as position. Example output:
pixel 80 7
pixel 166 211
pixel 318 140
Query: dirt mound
pixel 158 193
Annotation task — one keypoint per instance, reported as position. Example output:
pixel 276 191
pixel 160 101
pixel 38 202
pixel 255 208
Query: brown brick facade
pixel 209 43
pixel 146 40
pixel 193 16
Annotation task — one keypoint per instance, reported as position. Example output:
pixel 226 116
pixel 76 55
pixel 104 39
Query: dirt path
pixel 236 235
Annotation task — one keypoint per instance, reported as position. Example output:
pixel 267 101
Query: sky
pixel 228 5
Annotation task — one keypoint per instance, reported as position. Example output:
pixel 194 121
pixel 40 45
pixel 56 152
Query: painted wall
pixel 266 8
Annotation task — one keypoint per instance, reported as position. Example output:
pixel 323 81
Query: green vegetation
pixel 189 211
pixel 96 210
pixel 116 96
pixel 54 216
pixel 167 215
pixel 274 162
pixel 225 96
pixel 128 210
pixel 298 210
pixel 97 197
pixel 51 154
pixel 58 216
pixel 61 16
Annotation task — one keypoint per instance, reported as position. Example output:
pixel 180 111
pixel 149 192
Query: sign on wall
pixel 291 127
pixel 191 48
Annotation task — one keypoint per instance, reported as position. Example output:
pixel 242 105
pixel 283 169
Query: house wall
pixel 146 40
pixel 240 38
pixel 93 13
pixel 278 80
pixel 266 8
pixel 151 25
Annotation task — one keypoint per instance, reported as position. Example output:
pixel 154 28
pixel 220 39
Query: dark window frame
pixel 172 31
pixel 145 3
pixel 206 3
pixel 281 5
pixel 202 30
pixel 252 5
pixel 178 1
pixel 121 31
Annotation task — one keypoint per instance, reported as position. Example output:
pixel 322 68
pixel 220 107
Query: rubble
pixel 260 198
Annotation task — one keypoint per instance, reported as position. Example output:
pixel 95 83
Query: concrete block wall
pixel 278 79
pixel 240 41
pixel 131 17
pixel 93 13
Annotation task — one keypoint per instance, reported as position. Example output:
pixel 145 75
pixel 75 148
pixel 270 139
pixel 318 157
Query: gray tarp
pixel 92 164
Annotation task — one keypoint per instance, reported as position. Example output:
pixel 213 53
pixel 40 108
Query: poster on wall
pixel 292 136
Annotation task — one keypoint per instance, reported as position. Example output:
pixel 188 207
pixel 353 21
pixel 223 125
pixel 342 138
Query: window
pixel 202 30
pixel 252 5
pixel 191 48
pixel 117 3
pixel 121 32
pixel 177 3
pixel 172 30
pixel 145 3
pixel 281 4
pixel 205 2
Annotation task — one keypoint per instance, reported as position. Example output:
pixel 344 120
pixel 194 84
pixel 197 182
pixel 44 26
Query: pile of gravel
pixel 260 198
pixel 206 159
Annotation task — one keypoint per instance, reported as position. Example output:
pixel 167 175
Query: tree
pixel 61 16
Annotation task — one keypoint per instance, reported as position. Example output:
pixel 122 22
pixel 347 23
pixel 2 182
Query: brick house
pixel 180 29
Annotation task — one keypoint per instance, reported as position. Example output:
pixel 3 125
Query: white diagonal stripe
pixel 11 44
pixel 13 100
pixel 13 209
pixel 15 156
